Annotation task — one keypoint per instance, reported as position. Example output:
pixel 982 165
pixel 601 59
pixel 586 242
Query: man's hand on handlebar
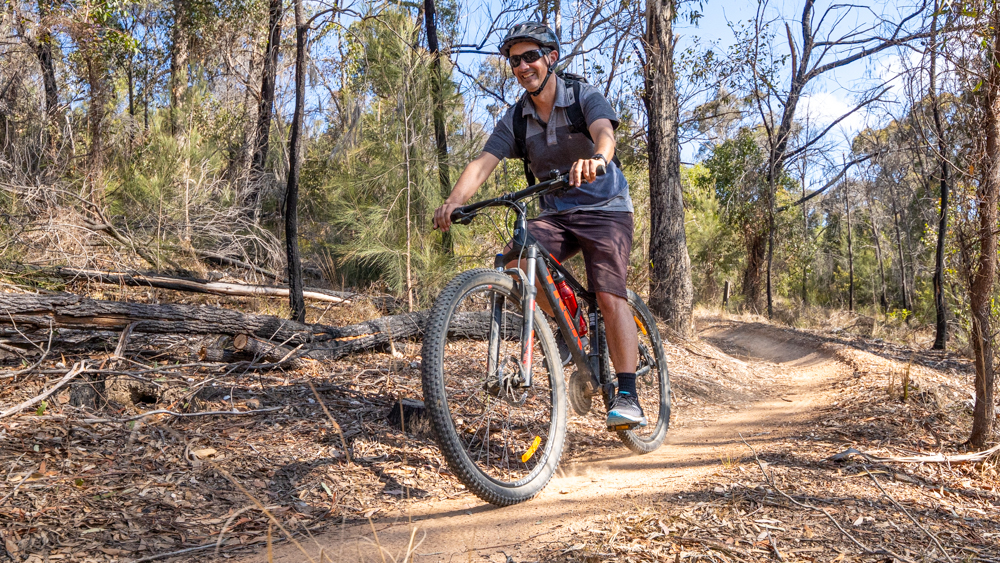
pixel 442 215
pixel 585 170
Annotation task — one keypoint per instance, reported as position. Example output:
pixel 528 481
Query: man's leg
pixel 623 347
pixel 619 326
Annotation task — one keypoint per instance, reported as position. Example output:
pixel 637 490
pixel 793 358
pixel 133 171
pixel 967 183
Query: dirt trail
pixel 466 529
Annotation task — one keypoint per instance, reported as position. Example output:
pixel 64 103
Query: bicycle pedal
pixel 617 427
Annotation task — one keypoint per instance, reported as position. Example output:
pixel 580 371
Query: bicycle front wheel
pixel 501 439
pixel 652 382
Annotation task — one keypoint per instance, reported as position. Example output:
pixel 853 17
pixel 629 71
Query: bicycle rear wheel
pixel 503 441
pixel 652 382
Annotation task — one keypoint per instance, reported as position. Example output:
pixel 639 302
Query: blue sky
pixel 831 96
pixel 825 100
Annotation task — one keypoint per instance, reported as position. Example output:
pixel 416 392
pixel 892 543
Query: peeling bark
pixel 670 290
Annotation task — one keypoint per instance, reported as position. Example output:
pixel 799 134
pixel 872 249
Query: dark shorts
pixel 604 237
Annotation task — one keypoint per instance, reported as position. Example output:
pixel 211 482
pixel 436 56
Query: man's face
pixel 531 75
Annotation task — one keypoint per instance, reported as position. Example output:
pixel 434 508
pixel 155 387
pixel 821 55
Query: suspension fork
pixel 497 305
pixel 528 304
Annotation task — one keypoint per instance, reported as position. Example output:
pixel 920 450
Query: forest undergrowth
pixel 177 458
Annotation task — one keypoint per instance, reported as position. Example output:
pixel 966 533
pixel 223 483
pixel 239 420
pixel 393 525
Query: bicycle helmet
pixel 534 32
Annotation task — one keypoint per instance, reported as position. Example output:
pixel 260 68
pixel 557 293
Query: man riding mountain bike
pixel 593 216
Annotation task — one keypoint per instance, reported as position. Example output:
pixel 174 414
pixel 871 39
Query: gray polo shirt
pixel 551 146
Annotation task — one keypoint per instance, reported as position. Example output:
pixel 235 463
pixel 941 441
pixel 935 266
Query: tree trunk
pixel 437 92
pixel 670 291
pixel 850 253
pixel 178 61
pixel 266 105
pixel 43 50
pixel 296 301
pixel 557 19
pixel 981 288
pixel 805 233
pixel 770 254
pixel 940 310
pixel 884 300
pixel 97 82
pixel 902 262
pixel 407 164
pixel 756 256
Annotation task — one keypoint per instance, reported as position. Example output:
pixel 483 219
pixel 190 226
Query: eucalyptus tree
pixel 296 300
pixel 975 52
pixel 818 46
pixel 670 291
pixel 940 309
pixel 265 105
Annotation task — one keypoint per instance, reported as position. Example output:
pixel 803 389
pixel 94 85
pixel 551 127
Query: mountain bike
pixel 492 375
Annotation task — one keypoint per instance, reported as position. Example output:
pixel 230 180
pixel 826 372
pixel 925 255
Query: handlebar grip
pixel 459 217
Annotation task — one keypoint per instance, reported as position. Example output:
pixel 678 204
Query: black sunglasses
pixel 528 57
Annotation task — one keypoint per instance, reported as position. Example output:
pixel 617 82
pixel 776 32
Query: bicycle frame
pixel 539 267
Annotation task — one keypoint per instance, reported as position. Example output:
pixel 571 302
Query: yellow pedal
pixel 621 427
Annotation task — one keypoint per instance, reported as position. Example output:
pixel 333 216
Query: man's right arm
pixel 474 175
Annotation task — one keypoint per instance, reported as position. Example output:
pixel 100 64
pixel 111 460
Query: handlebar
pixel 465 214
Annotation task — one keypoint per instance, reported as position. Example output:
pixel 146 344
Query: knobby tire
pixel 502 442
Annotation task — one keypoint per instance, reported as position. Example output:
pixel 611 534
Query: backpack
pixel 577 122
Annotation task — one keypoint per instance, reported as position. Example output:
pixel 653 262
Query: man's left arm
pixel 585 170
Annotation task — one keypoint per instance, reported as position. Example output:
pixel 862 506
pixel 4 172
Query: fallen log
pixel 33 343
pixel 71 311
pixel 196 285
pixel 268 351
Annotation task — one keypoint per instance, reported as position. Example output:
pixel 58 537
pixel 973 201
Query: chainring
pixel 579 396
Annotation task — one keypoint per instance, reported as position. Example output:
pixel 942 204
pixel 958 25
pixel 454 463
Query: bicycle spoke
pixel 502 440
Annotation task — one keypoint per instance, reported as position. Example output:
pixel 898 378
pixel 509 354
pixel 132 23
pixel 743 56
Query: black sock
pixel 626 383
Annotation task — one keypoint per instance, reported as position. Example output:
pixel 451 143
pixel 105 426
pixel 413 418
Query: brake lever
pixel 463 219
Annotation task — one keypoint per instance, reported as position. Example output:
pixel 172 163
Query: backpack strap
pixel 578 123
pixel 520 126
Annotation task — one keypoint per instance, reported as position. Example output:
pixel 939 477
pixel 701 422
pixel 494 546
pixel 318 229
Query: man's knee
pixel 606 299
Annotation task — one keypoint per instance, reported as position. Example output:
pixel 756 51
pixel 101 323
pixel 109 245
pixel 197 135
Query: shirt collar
pixel 564 98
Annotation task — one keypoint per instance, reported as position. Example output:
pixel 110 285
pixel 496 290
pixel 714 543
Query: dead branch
pixel 197 285
pixel 45 352
pixel 343 442
pixel 226 261
pixel 908 515
pixel 770 483
pixel 932 458
pixel 178 414
pixel 16 487
pixel 78 368
pixel 74 311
